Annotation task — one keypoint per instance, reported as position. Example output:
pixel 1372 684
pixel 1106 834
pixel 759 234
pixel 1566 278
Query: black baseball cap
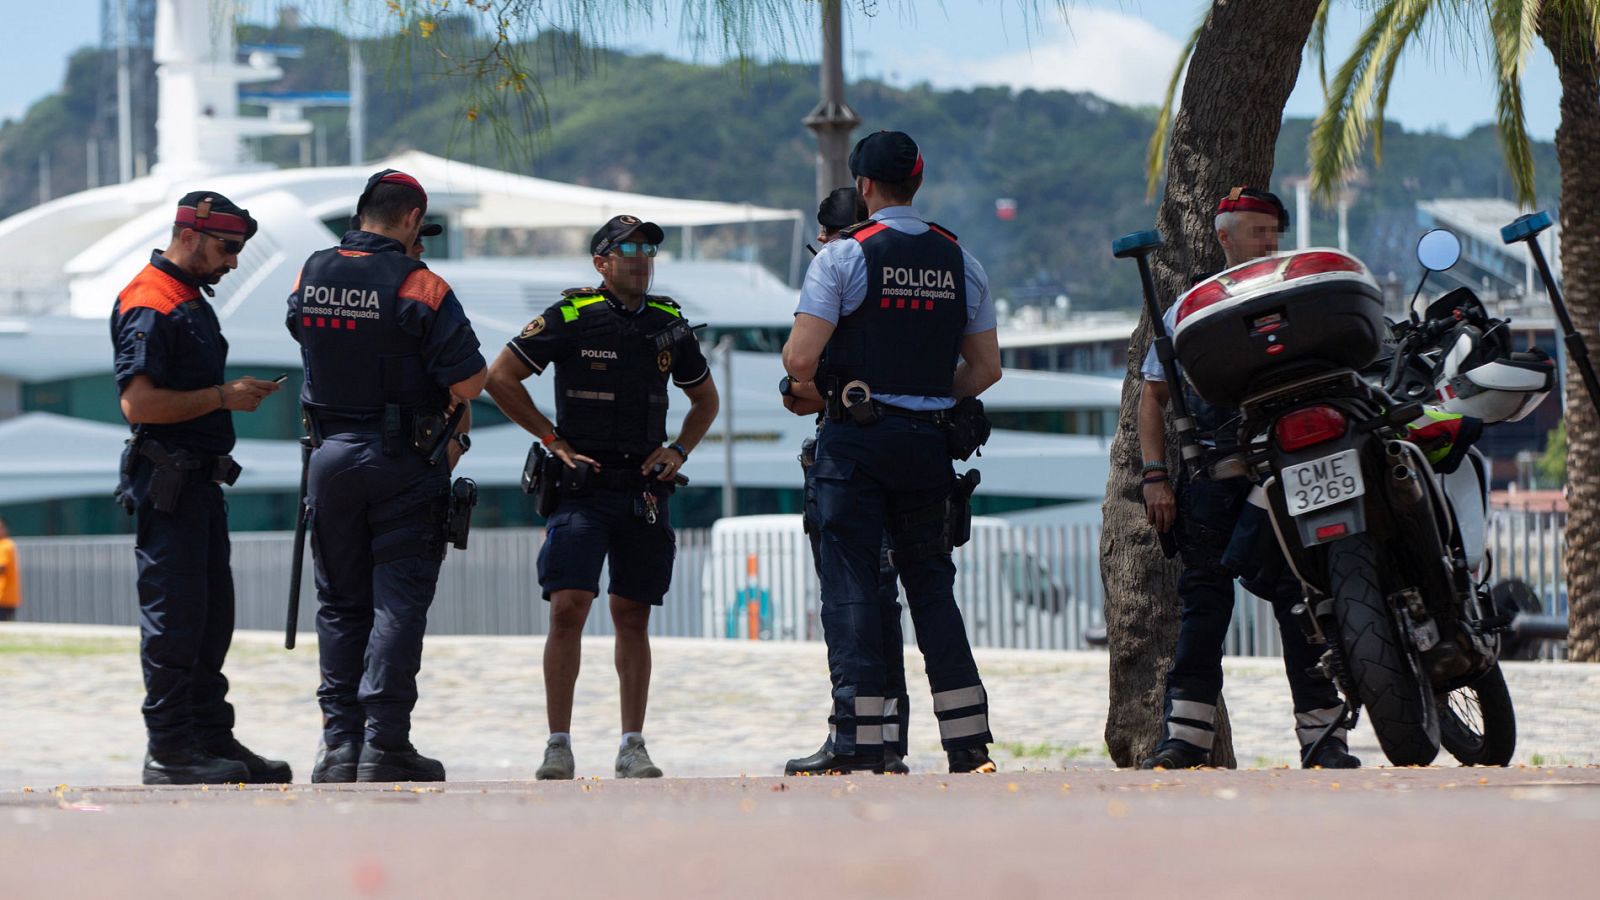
pixel 840 209
pixel 886 156
pixel 390 176
pixel 618 229
pixel 1246 199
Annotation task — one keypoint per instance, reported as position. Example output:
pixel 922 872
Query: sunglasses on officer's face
pixel 634 248
pixel 229 245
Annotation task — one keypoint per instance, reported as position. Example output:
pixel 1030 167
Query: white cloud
pixel 1120 57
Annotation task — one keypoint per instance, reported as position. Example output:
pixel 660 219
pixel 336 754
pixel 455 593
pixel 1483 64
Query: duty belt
pixel 627 479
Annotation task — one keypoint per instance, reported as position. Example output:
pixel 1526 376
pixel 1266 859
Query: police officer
pixel 169 364
pixel 388 354
pixel 838 211
pixel 432 229
pixel 1205 513
pixel 884 316
pixel 614 348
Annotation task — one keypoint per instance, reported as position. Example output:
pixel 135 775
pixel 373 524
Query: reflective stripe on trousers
pixel 1308 726
pixel 963 715
pixel 1191 722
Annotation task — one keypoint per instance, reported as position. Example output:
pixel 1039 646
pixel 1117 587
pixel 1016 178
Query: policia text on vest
pixel 612 470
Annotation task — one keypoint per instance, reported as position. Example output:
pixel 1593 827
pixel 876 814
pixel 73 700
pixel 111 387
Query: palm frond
pixel 1317 44
pixel 1403 35
pixel 1155 158
pixel 1339 133
pixel 1513 27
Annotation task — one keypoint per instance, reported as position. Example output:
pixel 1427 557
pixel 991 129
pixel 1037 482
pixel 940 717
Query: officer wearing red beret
pixel 1204 513
pixel 169 364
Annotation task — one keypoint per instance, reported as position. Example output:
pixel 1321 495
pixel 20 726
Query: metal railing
pixel 1033 587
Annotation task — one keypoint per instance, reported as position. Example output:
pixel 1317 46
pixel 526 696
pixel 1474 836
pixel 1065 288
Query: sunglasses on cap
pixel 633 248
pixel 230 246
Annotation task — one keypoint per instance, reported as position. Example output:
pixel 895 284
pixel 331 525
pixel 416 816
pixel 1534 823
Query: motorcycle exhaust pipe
pixel 1407 488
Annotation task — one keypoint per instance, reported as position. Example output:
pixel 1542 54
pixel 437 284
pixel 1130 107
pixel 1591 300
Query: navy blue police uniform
pixel 896 702
pixel 915 293
pixel 1209 515
pixel 383 338
pixel 838 211
pixel 612 367
pixel 172 476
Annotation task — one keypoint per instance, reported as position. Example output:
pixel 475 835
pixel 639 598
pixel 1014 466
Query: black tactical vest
pixel 905 336
pixel 357 356
pixel 611 391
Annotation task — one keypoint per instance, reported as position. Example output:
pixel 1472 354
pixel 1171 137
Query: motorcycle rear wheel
pixel 1399 703
pixel 1478 723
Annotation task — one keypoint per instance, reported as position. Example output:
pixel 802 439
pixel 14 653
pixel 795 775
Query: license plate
pixel 1323 482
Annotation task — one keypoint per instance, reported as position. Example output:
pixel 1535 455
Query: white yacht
pixel 61 432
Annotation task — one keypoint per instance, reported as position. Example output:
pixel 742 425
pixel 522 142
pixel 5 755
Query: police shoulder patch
pixel 533 328
pixel 664 360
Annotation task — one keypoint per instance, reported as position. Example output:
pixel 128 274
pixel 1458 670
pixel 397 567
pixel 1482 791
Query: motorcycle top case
pixel 1278 318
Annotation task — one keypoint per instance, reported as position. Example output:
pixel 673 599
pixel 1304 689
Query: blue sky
pixel 1120 49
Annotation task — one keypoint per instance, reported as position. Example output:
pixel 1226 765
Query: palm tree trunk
pixel 1577 143
pixel 1243 69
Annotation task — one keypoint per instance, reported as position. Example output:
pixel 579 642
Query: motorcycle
pixel 1340 412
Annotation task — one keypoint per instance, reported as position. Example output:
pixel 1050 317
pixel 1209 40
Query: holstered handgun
pixel 541 476
pixel 166 477
pixel 130 458
pixel 458 521
pixel 958 525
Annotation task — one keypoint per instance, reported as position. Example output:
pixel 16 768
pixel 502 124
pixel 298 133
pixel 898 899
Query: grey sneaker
pixel 558 765
pixel 633 761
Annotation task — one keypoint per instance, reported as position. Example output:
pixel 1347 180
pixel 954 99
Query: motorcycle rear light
pixel 1308 427
pixel 1201 297
pixel 1319 263
pixel 1328 532
pixel 1254 271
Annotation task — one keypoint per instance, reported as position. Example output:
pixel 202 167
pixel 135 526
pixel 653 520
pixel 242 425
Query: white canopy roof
pixel 507 200
pixel 74 253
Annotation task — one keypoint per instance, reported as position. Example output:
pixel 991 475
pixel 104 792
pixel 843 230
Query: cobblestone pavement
pixel 69 711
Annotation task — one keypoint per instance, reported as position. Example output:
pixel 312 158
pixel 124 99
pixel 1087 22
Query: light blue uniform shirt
pixel 836 283
pixel 1151 369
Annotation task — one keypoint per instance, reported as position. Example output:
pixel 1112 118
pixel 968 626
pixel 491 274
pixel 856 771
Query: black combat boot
pixel 971 759
pixel 894 763
pixel 191 766
pixel 1176 755
pixel 826 762
pixel 336 764
pixel 1333 754
pixel 401 764
pixel 261 769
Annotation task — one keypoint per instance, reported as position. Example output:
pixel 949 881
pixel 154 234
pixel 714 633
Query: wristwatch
pixel 464 440
pixel 786 386
pixel 679 447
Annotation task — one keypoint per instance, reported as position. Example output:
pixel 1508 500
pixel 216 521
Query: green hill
pixel 648 123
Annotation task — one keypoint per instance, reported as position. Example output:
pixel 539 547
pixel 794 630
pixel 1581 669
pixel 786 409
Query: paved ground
pixel 69 711
pixel 1056 822
pixel 1377 833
